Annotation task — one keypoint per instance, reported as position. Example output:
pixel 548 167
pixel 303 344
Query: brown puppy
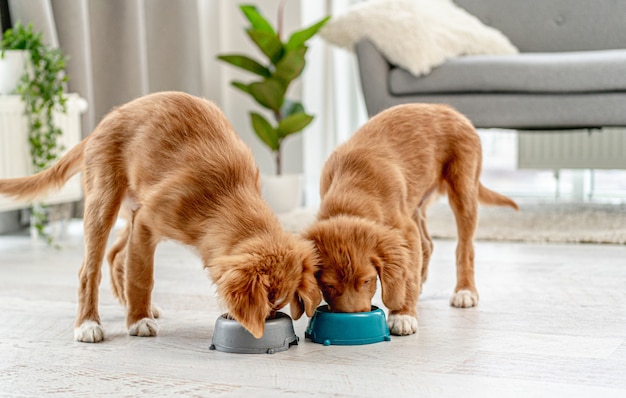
pixel 176 168
pixel 372 221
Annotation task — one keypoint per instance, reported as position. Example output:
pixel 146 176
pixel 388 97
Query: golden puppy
pixel 176 168
pixel 372 222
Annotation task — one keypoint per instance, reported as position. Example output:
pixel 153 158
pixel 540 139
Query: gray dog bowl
pixel 230 336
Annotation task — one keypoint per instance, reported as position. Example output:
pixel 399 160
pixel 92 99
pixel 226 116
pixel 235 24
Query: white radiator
pixel 14 149
pixel 572 149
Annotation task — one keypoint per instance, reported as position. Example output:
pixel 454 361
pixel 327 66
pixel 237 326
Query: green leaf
pixel 290 107
pixel 268 43
pixel 291 65
pixel 22 38
pixel 293 124
pixel 270 93
pixel 256 19
pixel 241 86
pixel 246 63
pixel 298 38
pixel 265 131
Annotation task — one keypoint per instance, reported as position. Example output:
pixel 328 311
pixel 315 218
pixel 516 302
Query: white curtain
pixel 120 49
pixel 332 87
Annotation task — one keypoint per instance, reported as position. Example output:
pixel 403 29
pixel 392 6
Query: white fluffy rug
pixel 535 222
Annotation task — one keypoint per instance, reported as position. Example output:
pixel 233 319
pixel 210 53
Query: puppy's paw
pixel 146 327
pixel 89 332
pixel 464 299
pixel 402 324
pixel 157 312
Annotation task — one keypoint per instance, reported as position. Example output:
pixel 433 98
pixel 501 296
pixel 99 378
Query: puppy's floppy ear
pixel 392 261
pixel 243 291
pixel 307 296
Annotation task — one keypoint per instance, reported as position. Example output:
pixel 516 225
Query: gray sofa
pixel 570 73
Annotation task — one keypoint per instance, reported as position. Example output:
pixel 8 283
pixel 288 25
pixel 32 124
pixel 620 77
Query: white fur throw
pixel 416 35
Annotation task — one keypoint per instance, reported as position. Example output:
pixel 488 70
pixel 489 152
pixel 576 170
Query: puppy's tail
pixel 53 178
pixel 488 197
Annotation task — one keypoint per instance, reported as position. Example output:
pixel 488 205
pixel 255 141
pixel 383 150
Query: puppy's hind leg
pixel 140 276
pixel 464 203
pixel 100 213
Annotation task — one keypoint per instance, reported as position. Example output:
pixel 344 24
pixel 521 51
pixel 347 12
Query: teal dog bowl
pixel 347 328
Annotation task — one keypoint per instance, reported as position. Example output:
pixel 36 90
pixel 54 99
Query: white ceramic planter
pixel 283 193
pixel 11 69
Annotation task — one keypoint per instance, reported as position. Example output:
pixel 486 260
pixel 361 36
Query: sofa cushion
pixel 416 34
pixel 554 25
pixel 567 72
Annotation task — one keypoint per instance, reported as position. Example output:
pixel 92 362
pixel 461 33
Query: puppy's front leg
pixel 426 241
pixel 403 321
pixel 139 279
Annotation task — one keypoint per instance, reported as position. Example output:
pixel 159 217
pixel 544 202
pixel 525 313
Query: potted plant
pixel 41 87
pixel 12 64
pixel 284 62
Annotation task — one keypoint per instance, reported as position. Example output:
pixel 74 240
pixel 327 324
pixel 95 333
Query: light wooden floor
pixel 551 322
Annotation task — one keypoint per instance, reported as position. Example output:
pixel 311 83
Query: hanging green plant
pixel 285 61
pixel 41 88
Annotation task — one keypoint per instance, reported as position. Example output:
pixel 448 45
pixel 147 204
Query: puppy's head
pixel 352 253
pixel 270 275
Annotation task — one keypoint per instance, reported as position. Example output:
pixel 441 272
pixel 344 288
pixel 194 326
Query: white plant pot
pixel 11 69
pixel 283 193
